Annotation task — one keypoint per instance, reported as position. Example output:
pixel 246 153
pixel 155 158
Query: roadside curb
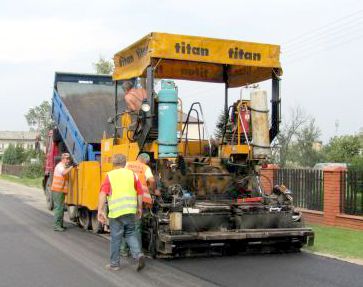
pixel 336 257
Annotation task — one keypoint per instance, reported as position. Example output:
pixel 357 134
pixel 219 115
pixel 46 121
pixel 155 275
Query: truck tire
pixel 72 212
pixel 96 226
pixel 84 218
pixel 48 193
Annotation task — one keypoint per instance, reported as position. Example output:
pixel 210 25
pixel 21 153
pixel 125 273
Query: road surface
pixel 32 254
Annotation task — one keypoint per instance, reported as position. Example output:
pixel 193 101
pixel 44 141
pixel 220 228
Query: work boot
pixel 140 263
pixel 112 268
pixel 124 254
pixel 58 228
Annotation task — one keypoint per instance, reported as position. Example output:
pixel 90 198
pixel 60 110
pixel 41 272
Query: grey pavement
pixel 32 254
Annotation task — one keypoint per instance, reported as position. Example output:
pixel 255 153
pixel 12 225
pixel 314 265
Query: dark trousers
pixel 58 199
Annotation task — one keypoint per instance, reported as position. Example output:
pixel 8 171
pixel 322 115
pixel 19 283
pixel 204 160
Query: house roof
pixel 192 119
pixel 18 135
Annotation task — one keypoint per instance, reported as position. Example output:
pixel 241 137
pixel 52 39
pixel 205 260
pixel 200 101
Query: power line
pixel 342 43
pixel 324 41
pixel 335 22
pixel 322 37
pixel 343 29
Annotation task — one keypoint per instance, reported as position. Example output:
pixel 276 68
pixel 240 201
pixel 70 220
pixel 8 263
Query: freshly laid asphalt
pixel 32 254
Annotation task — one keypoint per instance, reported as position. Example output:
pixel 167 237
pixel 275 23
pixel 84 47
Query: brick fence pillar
pixel 267 177
pixel 331 194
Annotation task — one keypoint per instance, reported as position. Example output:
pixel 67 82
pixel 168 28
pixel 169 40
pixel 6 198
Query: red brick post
pixel 332 177
pixel 267 177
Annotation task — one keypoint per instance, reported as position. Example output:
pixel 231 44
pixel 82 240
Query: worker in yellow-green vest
pixel 123 192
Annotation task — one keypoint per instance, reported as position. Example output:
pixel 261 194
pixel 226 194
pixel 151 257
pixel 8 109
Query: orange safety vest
pixel 139 169
pixel 60 182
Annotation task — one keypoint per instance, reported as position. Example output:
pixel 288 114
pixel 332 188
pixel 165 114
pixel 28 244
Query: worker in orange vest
pixel 142 170
pixel 59 189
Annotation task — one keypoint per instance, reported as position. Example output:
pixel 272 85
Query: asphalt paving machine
pixel 212 201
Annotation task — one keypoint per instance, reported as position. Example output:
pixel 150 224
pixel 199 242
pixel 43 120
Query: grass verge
pixel 33 182
pixel 344 243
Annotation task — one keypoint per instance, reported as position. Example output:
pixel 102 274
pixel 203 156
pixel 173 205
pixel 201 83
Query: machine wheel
pixel 152 247
pixel 95 224
pixel 152 244
pixel 72 212
pixel 48 194
pixel 84 218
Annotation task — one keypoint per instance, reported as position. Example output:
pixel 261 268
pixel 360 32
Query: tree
pixel 282 152
pixel 39 119
pixel 103 66
pixel 343 149
pixel 14 155
pixel 220 126
pixel 302 150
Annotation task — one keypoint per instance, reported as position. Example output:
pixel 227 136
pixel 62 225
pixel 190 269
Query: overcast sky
pixel 321 43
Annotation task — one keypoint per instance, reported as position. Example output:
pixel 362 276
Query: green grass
pixel 33 182
pixel 338 241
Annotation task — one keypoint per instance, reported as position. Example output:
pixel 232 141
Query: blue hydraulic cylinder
pixel 168 119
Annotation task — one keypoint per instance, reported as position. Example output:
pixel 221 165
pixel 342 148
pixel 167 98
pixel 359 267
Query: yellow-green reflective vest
pixel 123 199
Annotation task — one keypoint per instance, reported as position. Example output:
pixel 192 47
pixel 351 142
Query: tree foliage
pixel 289 129
pixel 103 66
pixel 33 170
pixel 220 125
pixel 14 155
pixel 302 150
pixel 294 145
pixel 343 149
pixel 39 119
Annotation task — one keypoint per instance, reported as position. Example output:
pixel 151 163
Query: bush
pixel 33 154
pixel 357 163
pixel 14 155
pixel 33 171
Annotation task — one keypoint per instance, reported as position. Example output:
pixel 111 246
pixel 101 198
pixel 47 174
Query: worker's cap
pixel 144 156
pixel 65 155
pixel 118 159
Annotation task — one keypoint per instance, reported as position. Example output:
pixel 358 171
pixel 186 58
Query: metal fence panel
pixel 307 186
pixel 351 192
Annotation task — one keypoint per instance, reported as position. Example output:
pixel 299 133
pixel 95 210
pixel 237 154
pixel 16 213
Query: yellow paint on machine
pixel 198 59
pixel 227 150
pixel 85 185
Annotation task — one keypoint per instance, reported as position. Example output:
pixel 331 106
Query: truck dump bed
pixel 81 106
pixel 90 106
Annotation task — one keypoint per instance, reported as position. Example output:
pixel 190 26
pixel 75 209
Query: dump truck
pixel 212 201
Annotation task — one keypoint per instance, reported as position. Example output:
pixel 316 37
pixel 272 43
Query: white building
pixel 193 133
pixel 26 140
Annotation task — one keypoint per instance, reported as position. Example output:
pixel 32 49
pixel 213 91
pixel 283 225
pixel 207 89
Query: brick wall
pixel 331 214
pixel 266 177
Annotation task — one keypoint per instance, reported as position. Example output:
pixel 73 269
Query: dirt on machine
pixel 212 201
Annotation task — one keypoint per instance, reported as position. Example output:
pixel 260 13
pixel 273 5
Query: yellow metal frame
pixel 85 185
pixel 198 59
pixel 175 57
